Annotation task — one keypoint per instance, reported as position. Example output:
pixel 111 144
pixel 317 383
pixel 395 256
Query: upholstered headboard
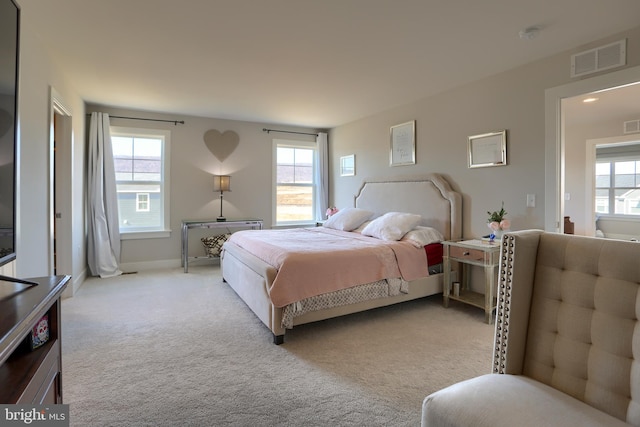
pixel 428 195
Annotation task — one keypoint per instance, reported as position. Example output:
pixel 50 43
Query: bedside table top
pixel 474 244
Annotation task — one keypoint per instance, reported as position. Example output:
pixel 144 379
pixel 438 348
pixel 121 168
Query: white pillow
pixel 347 219
pixel 423 236
pixel 392 225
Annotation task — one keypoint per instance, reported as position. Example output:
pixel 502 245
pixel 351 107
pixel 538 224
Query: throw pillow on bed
pixel 213 244
pixel 423 236
pixel 347 219
pixel 392 225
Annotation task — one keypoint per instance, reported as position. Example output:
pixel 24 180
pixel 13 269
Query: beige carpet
pixel 173 349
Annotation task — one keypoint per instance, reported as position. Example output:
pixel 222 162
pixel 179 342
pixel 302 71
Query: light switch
pixel 531 200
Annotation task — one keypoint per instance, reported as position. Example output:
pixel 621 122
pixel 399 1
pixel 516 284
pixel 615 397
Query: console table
pixel 252 223
pixel 26 376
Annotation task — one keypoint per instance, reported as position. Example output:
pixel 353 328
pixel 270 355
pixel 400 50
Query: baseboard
pixel 75 284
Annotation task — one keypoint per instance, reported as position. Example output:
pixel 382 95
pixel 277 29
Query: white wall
pixel 192 167
pixel 38 73
pixel 513 100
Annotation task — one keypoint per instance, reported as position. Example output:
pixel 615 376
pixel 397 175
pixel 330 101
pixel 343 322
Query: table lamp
pixel 221 183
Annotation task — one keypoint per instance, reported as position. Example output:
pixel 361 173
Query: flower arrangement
pixel 497 220
pixel 331 211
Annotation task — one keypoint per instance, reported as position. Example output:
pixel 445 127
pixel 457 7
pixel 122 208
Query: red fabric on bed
pixel 434 253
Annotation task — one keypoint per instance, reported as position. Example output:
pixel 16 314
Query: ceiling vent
pixel 601 58
pixel 632 126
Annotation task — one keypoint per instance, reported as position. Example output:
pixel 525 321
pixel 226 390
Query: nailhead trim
pixel 507 251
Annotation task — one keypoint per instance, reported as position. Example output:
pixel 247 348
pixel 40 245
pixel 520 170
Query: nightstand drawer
pixel 466 253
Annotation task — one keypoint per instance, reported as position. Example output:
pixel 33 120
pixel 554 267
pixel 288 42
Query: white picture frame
pixel 348 165
pixel 488 149
pixel 403 144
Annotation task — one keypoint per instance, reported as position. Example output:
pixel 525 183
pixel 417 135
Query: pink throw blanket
pixel 314 261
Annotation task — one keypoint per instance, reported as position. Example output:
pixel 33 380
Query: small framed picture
pixel 488 149
pixel 348 165
pixel 403 144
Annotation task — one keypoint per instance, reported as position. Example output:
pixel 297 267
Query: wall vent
pixel 601 58
pixel 632 126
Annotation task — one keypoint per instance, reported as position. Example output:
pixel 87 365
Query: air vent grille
pixel 632 126
pixel 599 59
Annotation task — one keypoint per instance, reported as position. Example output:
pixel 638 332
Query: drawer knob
pixel 465 253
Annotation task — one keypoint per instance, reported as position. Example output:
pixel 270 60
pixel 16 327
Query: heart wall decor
pixel 221 145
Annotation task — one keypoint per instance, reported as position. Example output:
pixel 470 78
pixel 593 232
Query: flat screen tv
pixel 9 61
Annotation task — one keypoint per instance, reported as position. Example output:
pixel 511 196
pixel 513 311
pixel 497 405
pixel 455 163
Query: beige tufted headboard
pixel 428 195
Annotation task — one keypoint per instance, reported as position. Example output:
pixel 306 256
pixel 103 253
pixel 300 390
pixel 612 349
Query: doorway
pixel 555 149
pixel 60 187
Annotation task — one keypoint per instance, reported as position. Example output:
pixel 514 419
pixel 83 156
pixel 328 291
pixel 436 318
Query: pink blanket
pixel 314 261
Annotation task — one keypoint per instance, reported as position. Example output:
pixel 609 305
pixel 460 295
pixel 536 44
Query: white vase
pixel 497 233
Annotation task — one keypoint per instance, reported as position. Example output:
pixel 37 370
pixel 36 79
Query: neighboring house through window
pixel 141 163
pixel 295 194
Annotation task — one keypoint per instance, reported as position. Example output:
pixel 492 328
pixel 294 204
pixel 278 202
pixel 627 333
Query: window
pixel 142 202
pixel 617 184
pixel 294 182
pixel 141 164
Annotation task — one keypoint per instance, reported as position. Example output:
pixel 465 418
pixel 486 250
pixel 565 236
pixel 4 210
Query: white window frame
pixel 612 189
pixel 147 202
pixel 292 144
pixel 165 229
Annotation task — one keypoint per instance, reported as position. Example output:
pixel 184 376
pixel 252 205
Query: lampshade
pixel 221 183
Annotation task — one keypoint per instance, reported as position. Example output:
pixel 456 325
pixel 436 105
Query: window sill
pixel 611 217
pixel 294 225
pixel 139 235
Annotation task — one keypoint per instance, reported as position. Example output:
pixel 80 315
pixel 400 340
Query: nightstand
pixel 468 253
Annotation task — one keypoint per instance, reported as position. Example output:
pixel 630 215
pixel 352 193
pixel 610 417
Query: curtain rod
pixel 287 131
pixel 175 122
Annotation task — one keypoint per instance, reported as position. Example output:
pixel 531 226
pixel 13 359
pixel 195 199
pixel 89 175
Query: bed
pixel 252 276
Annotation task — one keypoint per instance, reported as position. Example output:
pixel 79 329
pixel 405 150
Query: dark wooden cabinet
pixel 31 376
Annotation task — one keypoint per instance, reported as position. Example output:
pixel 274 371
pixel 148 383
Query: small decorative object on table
pixel 569 226
pixel 40 333
pixel 331 211
pixel 498 223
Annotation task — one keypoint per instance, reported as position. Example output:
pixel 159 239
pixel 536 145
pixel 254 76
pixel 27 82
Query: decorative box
pixel 40 333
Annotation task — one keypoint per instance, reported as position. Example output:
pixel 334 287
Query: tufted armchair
pixel 567 339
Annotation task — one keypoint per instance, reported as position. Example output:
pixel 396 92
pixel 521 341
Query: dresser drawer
pixel 466 253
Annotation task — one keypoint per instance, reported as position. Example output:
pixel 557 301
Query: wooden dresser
pixel 31 376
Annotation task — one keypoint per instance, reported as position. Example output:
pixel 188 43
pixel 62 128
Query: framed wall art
pixel 488 149
pixel 403 144
pixel 348 165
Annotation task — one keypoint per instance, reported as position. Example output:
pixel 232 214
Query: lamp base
pixel 221 219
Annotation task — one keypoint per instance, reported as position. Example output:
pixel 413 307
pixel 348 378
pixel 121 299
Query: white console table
pixel 252 223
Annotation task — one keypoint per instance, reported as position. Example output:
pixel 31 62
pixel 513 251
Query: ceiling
pixel 312 63
pixel 621 103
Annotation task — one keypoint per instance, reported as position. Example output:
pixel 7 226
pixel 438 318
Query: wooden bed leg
pixel 278 339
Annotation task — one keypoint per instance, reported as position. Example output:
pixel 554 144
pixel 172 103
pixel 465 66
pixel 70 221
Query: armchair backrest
pixel 567 316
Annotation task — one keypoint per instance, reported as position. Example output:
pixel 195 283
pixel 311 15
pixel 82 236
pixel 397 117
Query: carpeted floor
pixel 172 349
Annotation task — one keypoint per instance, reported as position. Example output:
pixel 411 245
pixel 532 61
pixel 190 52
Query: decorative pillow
pixel 423 236
pixel 213 244
pixel 392 225
pixel 347 219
